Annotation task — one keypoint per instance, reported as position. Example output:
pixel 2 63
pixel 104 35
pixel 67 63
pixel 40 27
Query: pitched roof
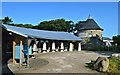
pixel 43 34
pixel 90 24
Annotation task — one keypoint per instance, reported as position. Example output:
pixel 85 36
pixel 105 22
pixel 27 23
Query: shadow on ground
pixel 5 68
pixel 90 65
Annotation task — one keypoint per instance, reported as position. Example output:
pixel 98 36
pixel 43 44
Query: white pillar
pixel 34 48
pixel 48 49
pixel 71 47
pixel 62 47
pixel 53 47
pixel 79 46
pixel 21 53
pixel 44 47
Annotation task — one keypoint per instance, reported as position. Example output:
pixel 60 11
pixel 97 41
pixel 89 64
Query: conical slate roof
pixel 90 24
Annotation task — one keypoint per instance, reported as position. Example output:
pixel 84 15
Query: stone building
pixel 90 32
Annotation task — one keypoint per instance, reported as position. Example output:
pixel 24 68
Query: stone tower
pixel 90 33
pixel 90 28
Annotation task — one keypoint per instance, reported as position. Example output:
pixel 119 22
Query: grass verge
pixel 114 65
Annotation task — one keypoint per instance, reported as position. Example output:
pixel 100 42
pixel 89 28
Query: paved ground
pixel 65 62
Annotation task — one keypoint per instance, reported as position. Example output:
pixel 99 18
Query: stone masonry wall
pixel 93 33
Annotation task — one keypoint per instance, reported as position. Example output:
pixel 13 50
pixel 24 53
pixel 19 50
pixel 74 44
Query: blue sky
pixel 104 13
pixel 60 0
pixel 119 18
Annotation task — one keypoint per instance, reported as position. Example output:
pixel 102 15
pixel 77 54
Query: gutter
pixel 17 33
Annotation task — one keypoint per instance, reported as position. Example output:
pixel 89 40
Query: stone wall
pixel 90 38
pixel 90 33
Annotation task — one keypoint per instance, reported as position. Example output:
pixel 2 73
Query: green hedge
pixel 105 48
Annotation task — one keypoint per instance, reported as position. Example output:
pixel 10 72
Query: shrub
pixel 114 65
pixel 113 48
pixel 104 48
pixel 98 48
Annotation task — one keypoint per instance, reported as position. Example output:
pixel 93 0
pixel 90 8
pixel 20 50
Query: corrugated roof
pixel 44 34
pixel 90 24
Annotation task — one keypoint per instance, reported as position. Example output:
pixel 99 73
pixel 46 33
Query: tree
pixel 7 20
pixel 116 40
pixel 79 25
pixel 55 25
pixel 24 25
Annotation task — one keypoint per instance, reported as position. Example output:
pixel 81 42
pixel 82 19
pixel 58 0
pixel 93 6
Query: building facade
pixel 90 33
pixel 89 28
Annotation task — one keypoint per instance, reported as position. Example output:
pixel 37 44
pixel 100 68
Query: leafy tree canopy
pixel 116 39
pixel 55 25
pixel 52 25
pixel 79 24
pixel 7 20
pixel 24 25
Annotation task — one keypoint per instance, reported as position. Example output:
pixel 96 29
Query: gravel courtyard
pixel 61 62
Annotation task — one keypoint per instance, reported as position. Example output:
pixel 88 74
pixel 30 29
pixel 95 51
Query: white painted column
pixel 44 47
pixel 71 47
pixel 34 48
pixel 21 57
pixel 79 46
pixel 62 47
pixel 53 47
pixel 48 49
pixel 36 43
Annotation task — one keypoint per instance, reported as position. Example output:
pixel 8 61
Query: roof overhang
pixel 42 34
pixel 17 33
pixel 14 31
